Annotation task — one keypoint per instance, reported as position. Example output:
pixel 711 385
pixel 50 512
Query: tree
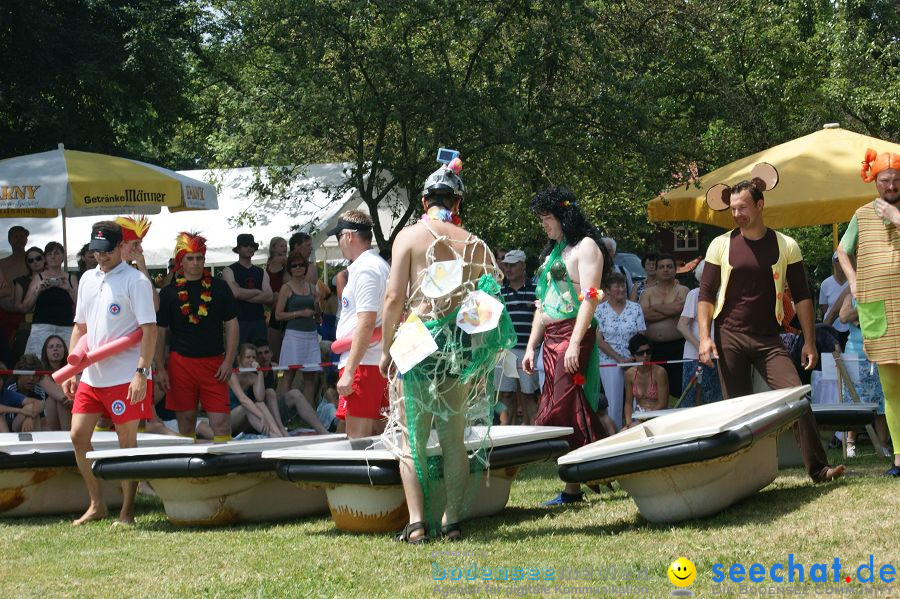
pixel 613 98
pixel 105 76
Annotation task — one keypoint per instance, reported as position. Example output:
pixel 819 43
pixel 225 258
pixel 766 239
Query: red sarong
pixel 563 403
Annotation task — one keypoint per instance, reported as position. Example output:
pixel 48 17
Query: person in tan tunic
pixel 873 236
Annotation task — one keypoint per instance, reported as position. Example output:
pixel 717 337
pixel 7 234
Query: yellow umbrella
pixel 818 182
pixel 88 184
pixel 84 184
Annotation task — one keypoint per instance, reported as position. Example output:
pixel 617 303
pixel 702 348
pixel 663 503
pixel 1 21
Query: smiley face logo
pixel 682 572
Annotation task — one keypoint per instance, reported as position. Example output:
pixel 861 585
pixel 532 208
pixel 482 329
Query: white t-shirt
pixel 366 283
pixel 690 311
pixel 828 294
pixel 112 305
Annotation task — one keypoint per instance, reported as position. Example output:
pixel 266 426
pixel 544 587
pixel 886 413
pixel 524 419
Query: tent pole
pixel 834 236
pixel 65 240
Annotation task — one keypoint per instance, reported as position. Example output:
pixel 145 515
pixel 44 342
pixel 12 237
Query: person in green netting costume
pixel 444 286
pixel 576 264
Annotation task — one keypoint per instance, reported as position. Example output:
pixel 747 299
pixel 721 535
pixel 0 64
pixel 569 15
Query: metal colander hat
pixel 445 181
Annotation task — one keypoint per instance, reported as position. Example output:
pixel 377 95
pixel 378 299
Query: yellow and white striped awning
pixel 84 184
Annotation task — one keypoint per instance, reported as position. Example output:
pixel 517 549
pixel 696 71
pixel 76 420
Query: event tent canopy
pixel 312 203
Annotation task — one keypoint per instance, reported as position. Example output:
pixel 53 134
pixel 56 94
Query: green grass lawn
pixel 849 519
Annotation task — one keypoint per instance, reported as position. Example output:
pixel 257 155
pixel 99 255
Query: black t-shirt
pixel 269 380
pixel 53 306
pixel 207 338
pixel 248 278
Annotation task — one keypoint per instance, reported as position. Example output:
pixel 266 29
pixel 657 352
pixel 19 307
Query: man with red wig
pixel 873 236
pixel 199 311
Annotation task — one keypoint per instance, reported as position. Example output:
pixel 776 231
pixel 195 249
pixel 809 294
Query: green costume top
pixel 558 299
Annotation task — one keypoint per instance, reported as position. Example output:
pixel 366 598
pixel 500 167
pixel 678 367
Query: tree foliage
pixel 616 99
pixel 612 98
pixel 106 76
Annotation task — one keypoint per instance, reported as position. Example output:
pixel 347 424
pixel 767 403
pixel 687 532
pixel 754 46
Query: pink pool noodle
pixel 79 352
pixel 343 344
pixel 95 355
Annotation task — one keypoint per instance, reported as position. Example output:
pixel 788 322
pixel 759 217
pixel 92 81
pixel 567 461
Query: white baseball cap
pixel 514 256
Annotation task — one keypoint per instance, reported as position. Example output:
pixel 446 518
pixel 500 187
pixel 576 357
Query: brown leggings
pixel 737 353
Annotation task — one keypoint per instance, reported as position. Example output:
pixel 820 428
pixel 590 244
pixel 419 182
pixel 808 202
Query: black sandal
pixel 406 535
pixel 447 531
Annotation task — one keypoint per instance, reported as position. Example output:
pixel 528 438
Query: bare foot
pixel 92 513
pixel 126 522
pixel 832 473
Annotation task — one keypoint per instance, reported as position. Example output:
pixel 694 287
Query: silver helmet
pixel 444 181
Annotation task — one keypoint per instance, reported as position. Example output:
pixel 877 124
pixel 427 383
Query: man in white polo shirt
pixel 362 391
pixel 113 300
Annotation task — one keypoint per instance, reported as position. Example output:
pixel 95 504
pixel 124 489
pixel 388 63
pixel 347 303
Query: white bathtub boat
pixel 217 484
pixel 693 462
pixel 830 417
pixel 361 477
pixel 39 476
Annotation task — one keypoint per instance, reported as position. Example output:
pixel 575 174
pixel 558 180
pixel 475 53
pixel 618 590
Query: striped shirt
pixel 877 249
pixel 520 305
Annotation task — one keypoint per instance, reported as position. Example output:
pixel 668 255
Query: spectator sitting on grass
pixel 59 409
pixel 247 393
pixel 294 398
pixel 647 385
pixel 21 401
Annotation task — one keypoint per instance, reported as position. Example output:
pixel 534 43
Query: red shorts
pixel 370 395
pixel 111 402
pixel 193 380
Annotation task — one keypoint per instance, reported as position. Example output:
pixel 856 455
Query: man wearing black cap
pixel 113 300
pixel 361 389
pixel 11 268
pixel 251 289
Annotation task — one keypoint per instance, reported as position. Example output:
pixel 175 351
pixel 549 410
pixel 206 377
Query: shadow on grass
pixel 760 508
pixel 161 524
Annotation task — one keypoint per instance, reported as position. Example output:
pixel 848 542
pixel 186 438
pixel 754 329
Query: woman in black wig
pixel 575 265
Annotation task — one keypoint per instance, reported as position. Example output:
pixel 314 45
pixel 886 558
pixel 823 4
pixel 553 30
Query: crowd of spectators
pixel 286 315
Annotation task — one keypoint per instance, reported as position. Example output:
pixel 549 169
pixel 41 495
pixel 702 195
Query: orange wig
pixel 874 163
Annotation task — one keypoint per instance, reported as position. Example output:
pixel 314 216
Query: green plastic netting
pixel 445 395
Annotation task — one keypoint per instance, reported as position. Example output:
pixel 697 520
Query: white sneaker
pixel 851 451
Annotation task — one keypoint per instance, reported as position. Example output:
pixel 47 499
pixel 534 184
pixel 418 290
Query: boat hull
pixel 49 491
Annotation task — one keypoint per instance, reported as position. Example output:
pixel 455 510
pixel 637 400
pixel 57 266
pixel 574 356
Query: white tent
pixel 312 203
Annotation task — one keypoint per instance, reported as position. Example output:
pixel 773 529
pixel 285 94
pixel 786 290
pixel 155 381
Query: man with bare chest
pixel 440 277
pixel 574 268
pixel 662 305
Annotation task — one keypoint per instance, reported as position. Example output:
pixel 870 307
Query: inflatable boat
pixel 693 462
pixel 361 477
pixel 218 484
pixel 39 476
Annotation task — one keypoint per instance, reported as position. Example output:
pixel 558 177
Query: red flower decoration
pixel 578 379
pixel 205 296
